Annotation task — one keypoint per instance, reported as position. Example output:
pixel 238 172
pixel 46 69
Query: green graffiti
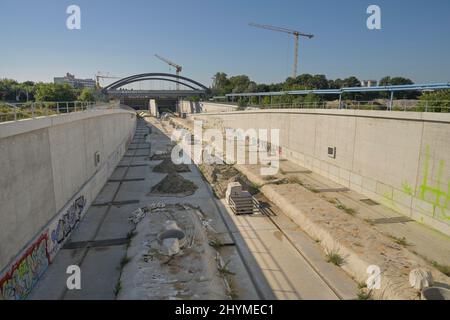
pixel 407 188
pixel 435 195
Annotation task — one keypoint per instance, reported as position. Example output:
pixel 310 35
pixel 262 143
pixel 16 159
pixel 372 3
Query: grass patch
pixel 296 180
pixel 224 271
pixel 362 285
pixel 444 269
pixel 364 294
pixel 369 221
pixel 131 235
pixel 216 244
pixel 344 208
pixel 117 288
pixel 233 294
pixel 401 241
pixel 335 258
pixel 124 261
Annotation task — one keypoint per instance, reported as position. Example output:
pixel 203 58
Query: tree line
pixel 14 91
pixel 222 85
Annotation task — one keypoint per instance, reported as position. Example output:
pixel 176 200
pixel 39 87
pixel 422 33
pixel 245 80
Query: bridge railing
pixel 419 106
pixel 19 111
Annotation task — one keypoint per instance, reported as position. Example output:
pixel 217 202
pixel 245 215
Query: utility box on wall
pixel 332 152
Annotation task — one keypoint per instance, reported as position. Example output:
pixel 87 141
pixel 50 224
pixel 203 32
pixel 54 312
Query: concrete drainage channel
pixel 341 213
pixel 94 246
pixel 178 250
pixel 157 232
pixel 142 239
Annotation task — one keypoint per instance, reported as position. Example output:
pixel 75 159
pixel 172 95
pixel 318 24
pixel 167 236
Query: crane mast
pixel 99 75
pixel 295 33
pixel 177 67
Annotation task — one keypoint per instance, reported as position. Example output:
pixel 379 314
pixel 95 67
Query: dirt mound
pixel 175 185
pixel 160 156
pixel 167 166
pixel 219 176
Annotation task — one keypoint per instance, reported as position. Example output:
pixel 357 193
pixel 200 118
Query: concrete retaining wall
pixel 400 159
pixel 201 107
pixel 49 178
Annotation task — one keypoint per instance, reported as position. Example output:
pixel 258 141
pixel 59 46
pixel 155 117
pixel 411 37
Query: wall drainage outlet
pixel 97 158
pixel 332 152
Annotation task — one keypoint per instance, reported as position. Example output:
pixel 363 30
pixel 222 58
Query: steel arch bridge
pixel 195 88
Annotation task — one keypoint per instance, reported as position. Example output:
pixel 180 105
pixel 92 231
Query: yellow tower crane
pixel 297 35
pixel 177 67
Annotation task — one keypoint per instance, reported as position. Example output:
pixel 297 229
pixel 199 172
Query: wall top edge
pixel 395 115
pixel 12 128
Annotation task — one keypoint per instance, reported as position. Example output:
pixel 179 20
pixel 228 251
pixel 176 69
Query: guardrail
pixel 27 110
pixel 420 106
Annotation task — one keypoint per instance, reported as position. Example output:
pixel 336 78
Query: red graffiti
pixel 25 272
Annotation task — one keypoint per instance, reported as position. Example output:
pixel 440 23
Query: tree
pixel 239 83
pixel 87 94
pixel 351 82
pixel 336 84
pixel 438 101
pixel 220 83
pixel 8 89
pixel 312 98
pixel 55 92
pixel 252 87
pixel 398 81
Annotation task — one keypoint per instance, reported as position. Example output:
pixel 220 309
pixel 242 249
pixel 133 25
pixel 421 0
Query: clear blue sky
pixel 206 36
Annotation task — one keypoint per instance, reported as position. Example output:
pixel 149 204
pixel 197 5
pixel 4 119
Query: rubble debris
pixel 167 166
pixel 160 155
pixel 420 278
pixel 174 185
pixel 137 215
pixel 156 205
pixel 171 258
pixel 218 176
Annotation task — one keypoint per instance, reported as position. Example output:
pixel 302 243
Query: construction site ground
pixel 347 224
pixel 260 256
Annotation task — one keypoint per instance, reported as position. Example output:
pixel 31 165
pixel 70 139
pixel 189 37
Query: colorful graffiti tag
pixel 439 197
pixel 431 189
pixel 67 222
pixel 24 274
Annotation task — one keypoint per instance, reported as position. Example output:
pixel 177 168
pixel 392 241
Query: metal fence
pixel 419 106
pixel 19 111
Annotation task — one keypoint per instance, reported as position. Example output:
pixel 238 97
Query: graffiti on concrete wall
pixel 66 223
pixel 23 275
pixel 436 192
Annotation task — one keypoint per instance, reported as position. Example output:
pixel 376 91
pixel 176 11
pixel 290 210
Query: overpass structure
pixel 154 94
pixel 140 98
